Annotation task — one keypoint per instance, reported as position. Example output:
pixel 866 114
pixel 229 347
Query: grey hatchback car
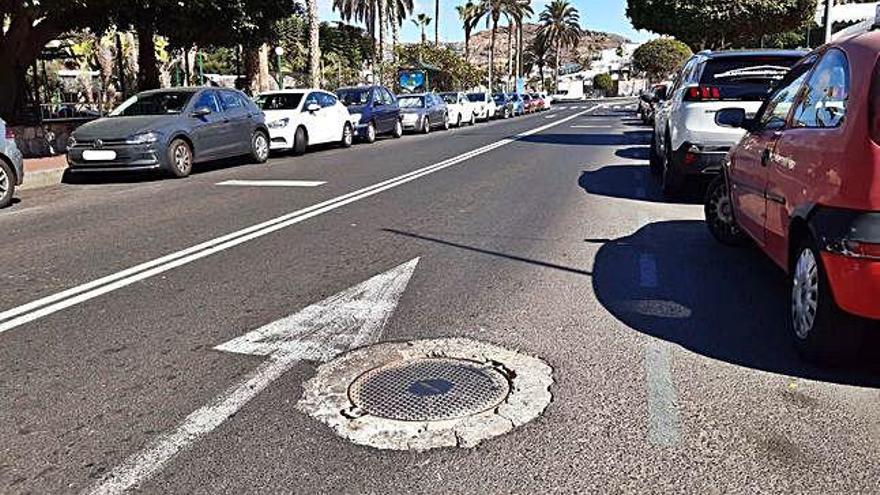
pixel 11 165
pixel 170 130
pixel 423 112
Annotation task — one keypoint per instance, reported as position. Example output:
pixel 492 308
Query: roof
pixel 754 53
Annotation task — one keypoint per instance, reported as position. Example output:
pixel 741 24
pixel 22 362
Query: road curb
pixel 42 178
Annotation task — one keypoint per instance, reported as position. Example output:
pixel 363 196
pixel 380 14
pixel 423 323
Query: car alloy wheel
pixel 446 122
pixel 398 129
pixel 426 125
pixel 719 214
pixel 805 294
pixel 261 147
pixel 181 159
pixel 347 136
pixel 7 187
pixel 371 133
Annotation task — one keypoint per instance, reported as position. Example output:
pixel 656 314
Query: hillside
pixel 590 43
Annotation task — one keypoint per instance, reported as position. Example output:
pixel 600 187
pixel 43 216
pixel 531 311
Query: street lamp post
pixel 829 8
pixel 278 53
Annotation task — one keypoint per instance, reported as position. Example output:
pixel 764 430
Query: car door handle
pixel 765 157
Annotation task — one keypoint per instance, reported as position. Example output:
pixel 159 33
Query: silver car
pixel 11 165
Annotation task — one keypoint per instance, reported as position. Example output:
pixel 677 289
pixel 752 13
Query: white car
pixel 546 99
pixel 484 105
pixel 687 143
pixel 461 110
pixel 299 118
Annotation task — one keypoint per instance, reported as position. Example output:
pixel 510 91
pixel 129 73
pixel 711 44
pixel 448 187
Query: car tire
pixel 656 164
pixel 259 147
pixel 446 122
pixel 718 210
pixel 300 141
pixel 180 159
pixel 473 120
pixel 426 125
pixel 370 133
pixel 822 332
pixel 458 121
pixel 672 183
pixel 347 136
pixel 398 130
pixel 7 184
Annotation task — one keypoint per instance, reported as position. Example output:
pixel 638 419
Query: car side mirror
pixel 201 112
pixel 732 117
pixel 312 107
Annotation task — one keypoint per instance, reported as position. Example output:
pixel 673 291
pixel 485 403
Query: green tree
pixel 422 21
pixel 659 58
pixel 560 27
pixel 717 24
pixel 469 14
pixel 603 82
pixel 452 71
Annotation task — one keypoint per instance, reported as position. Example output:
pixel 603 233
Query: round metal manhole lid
pixel 429 389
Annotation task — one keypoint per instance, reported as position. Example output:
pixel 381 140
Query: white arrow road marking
pixel 48 305
pixel 272 183
pixel 352 318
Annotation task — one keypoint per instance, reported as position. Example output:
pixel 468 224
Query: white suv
pixel 686 141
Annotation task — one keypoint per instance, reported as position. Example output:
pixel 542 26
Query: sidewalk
pixel 43 172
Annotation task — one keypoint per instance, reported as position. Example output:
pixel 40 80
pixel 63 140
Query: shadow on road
pixel 633 182
pixel 672 281
pixel 626 138
pixel 135 177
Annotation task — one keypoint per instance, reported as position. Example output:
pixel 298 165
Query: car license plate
pixel 99 155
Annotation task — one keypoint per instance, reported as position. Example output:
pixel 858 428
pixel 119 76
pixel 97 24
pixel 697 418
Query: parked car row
pixel 173 129
pixel 793 142
pixel 11 165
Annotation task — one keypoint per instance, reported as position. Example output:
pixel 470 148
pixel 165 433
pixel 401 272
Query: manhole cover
pixel 431 389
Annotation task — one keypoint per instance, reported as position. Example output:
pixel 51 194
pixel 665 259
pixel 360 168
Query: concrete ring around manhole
pixel 426 394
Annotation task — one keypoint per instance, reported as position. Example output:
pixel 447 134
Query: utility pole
pixel 829 6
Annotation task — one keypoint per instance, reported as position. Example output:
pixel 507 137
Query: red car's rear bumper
pixel 855 283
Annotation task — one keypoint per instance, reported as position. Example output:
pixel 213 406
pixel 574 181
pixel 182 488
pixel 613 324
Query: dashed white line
pixel 272 183
pixel 48 305
pixel 664 424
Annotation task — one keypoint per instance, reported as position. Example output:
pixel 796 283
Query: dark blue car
pixel 374 111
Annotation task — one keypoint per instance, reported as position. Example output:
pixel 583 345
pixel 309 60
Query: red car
pixel 804 185
pixel 530 104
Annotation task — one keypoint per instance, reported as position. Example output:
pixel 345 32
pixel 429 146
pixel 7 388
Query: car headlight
pixel 356 118
pixel 278 124
pixel 143 138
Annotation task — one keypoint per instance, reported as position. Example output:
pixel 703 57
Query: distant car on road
pixel 374 111
pixel 687 143
pixel 298 118
pixel 11 165
pixel 170 130
pixel 484 105
pixel 423 112
pixel 519 106
pixel 531 105
pixel 504 107
pixel 649 100
pixel 461 110
pixel 541 101
pixel 803 186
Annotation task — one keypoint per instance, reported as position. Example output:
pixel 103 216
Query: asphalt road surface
pixel 544 234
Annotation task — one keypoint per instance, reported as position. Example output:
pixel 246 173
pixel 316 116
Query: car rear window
pixel 477 97
pixel 411 102
pixel 745 78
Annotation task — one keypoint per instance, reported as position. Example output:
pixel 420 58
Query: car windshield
pixel 354 96
pixel 161 103
pixel 411 101
pixel 476 97
pixel 451 98
pixel 286 101
pixel 745 78
pixel 499 98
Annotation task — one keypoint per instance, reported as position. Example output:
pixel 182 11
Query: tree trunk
pixel 467 45
pixel 558 62
pixel 541 74
pixel 492 52
pixel 395 28
pixel 148 75
pixel 251 60
pixel 314 44
pixel 519 50
pixel 436 22
pixel 267 82
pixel 20 44
pixel 509 53
pixel 383 34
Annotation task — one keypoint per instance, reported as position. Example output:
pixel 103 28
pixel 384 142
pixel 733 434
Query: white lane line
pixel 552 115
pixel 664 424
pixel 272 183
pixel 648 271
pixel 48 305
pixel 352 318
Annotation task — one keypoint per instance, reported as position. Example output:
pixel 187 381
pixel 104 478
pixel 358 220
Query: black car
pixel 170 130
pixel 374 111
pixel 423 112
pixel 504 106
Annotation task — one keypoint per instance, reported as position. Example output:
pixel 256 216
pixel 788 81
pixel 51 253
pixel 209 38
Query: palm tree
pixel 422 20
pixel 436 22
pixel 519 10
pixel 492 10
pixel 469 14
pixel 560 28
pixel 537 55
pixel 398 11
pixel 314 44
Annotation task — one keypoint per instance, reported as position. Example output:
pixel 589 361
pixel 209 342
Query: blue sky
pixel 598 15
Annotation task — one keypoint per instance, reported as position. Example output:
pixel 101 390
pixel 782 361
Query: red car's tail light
pixel 702 93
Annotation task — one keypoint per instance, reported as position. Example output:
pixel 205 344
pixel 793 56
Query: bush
pixel 659 58
pixel 603 82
